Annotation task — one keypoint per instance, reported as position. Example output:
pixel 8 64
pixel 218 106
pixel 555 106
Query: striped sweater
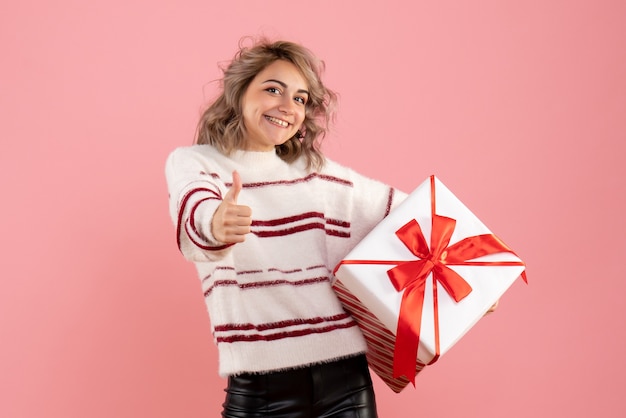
pixel 269 298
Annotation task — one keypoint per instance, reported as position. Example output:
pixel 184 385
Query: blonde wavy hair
pixel 221 124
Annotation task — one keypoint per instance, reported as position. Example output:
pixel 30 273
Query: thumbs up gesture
pixel 231 222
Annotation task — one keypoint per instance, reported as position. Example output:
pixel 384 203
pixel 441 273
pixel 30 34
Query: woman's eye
pixel 273 90
pixel 301 100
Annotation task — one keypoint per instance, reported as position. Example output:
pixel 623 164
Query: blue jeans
pixel 339 389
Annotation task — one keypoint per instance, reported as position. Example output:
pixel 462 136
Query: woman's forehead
pixel 285 72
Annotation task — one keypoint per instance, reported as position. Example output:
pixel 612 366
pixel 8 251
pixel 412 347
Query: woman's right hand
pixel 231 222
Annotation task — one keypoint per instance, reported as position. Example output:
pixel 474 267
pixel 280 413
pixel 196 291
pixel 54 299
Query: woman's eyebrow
pixel 283 85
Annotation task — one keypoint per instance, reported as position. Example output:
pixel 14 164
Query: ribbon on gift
pixel 410 277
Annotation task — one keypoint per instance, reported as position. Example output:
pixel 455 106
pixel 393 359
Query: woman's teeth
pixel 277 121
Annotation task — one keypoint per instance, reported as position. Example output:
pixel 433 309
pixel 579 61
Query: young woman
pixel 265 218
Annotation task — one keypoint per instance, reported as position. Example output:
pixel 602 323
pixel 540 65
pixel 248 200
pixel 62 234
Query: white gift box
pixel 364 284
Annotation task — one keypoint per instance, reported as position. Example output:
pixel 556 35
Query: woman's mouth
pixel 276 121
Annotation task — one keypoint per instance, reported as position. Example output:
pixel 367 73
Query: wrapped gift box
pixel 421 279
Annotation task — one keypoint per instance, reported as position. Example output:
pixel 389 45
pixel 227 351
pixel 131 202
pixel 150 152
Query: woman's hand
pixel 231 222
pixel 493 307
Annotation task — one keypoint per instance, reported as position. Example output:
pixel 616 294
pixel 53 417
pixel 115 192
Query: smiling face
pixel 273 106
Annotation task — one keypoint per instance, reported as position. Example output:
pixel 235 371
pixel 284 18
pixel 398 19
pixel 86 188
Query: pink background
pixel 519 107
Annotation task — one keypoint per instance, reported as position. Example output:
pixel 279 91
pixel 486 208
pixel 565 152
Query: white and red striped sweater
pixel 269 298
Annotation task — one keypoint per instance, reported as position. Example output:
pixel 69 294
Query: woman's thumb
pixel 233 192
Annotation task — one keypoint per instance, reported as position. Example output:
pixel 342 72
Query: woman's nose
pixel 286 105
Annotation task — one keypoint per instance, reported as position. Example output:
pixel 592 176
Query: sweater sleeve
pixel 368 203
pixel 371 202
pixel 195 192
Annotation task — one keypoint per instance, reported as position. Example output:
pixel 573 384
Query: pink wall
pixel 518 106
